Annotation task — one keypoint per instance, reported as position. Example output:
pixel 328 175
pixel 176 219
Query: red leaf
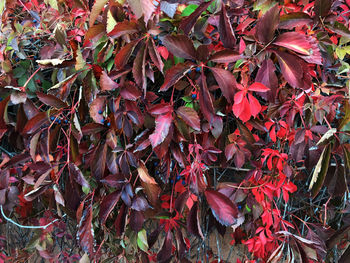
pixel 108 204
pixel 225 56
pixel 51 100
pixel 173 75
pixel 180 46
pixel 163 123
pixel 222 207
pixel 190 116
pixel 107 83
pixel 267 24
pixel 193 224
pixel 123 28
pixel 227 82
pixel 124 54
pixel 230 150
pixel 227 35
pixel 154 54
pixel 35 123
pixel 187 24
pixel 160 108
pixel 258 87
pixel 85 233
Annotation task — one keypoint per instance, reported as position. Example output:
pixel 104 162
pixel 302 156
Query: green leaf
pixel 142 240
pixel 18 72
pixel 189 10
pixel 320 171
pixel 186 99
pixel 342 51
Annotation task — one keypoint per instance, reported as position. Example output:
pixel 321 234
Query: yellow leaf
pixel 111 23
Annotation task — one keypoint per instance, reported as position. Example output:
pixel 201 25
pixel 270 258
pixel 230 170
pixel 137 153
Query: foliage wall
pixel 146 125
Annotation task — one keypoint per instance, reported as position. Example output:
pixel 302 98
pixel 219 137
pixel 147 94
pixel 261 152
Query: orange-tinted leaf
pixel 144 175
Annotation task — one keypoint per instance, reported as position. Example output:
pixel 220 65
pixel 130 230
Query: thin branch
pixel 22 226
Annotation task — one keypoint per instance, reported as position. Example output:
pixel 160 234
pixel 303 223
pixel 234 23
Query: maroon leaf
pixel 322 7
pixel 129 91
pixel 193 224
pixel 35 123
pixel 187 24
pixel 267 24
pixel 107 205
pixel 92 128
pixel 160 108
pixel 205 101
pixel 225 56
pixel 227 82
pixel 51 100
pixel 164 255
pixel 180 46
pixel 266 75
pixel 227 35
pixel 77 175
pixel 291 69
pixel 85 233
pixel 173 75
pixel 154 54
pixel 98 163
pixel 123 28
pixel 107 83
pixel 190 116
pixel 222 207
pixel 291 20
pixel 139 70
pixel 122 57
pixel 140 204
pixel 298 42
pixel 120 221
pixel 163 123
